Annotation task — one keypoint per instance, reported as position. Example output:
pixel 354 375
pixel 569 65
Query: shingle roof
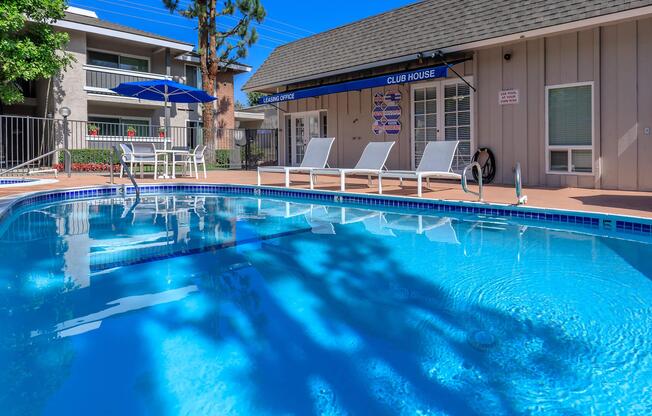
pixel 420 27
pixel 91 21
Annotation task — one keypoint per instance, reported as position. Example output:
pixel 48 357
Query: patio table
pixel 171 152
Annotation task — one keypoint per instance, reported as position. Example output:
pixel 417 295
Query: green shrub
pixel 222 158
pixel 90 156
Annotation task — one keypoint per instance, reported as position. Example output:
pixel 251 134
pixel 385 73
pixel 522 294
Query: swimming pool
pixel 192 303
pixel 12 182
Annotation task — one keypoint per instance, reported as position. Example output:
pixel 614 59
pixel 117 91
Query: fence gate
pixel 260 148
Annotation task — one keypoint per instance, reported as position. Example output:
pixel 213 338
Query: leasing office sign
pixel 361 84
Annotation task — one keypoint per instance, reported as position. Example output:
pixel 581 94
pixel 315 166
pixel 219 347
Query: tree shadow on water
pixel 373 336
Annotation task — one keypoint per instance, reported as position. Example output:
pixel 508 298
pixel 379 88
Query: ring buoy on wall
pixel 485 157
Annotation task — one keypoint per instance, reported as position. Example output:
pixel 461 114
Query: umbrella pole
pixel 167 120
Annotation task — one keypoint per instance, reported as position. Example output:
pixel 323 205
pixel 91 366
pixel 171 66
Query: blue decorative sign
pixel 392 112
pixel 393 127
pixel 361 84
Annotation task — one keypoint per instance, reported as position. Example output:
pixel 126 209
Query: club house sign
pixel 380 81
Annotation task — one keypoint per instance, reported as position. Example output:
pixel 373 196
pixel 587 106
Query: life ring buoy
pixel 485 157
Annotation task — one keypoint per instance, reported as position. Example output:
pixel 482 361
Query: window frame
pixel 120 118
pixel 119 54
pixel 569 148
pixel 197 74
pixel 441 84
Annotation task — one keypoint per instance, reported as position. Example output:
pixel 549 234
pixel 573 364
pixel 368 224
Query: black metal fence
pixel 25 138
pixel 246 148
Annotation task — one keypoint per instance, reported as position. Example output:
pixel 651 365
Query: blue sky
pixel 286 21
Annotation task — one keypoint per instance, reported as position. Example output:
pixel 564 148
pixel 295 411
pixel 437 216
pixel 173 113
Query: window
pixel 194 133
pixel 457 121
pixel 425 118
pixel 111 60
pixel 193 76
pixel 117 126
pixel 442 110
pixel 570 128
pixel 323 124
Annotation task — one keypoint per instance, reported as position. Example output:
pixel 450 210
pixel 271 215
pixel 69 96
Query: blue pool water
pixel 209 305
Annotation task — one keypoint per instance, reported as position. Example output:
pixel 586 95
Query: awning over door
pixel 422 74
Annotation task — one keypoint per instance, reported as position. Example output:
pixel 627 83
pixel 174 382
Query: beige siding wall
pixel 516 133
pixel 350 121
pixel 616 58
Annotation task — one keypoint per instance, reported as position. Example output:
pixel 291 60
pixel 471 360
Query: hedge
pixel 90 156
pixel 222 158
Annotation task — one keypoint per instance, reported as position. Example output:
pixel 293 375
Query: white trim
pixel 117 71
pixel 81 12
pixel 305 115
pixel 441 113
pixel 123 35
pixel 195 60
pixel 246 116
pixel 636 13
pixel 568 148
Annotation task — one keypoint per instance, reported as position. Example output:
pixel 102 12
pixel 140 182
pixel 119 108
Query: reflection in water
pixel 213 305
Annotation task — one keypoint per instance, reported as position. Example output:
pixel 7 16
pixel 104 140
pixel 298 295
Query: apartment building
pixel 107 54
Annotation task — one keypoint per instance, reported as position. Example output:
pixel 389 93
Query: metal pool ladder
pixel 125 167
pixel 520 198
pixel 464 184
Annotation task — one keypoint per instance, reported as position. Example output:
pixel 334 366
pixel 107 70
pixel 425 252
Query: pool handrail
pixel 126 169
pixel 464 184
pixel 67 165
pixel 520 198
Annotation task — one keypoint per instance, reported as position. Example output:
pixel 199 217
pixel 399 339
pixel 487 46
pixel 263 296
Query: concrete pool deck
pixel 577 199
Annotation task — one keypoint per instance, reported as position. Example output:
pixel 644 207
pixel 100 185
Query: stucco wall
pixel 69 87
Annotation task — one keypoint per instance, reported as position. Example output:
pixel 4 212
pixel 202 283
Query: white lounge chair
pixel 140 153
pixel 316 157
pixel 371 163
pixel 436 162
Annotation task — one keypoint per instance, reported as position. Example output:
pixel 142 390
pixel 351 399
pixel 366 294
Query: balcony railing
pixel 101 79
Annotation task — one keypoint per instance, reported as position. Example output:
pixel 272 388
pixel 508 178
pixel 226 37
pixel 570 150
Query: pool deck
pixel 577 199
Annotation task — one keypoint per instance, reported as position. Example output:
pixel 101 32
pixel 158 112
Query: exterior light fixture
pixel 65 112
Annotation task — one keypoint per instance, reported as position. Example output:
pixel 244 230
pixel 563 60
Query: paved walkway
pixel 616 202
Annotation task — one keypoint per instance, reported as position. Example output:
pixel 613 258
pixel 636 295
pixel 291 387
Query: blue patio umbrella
pixel 164 90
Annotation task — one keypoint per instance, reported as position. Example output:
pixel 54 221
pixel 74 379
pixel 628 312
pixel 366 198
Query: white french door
pixel 442 110
pixel 304 126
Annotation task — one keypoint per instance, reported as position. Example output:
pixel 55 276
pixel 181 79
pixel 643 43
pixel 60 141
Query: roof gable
pixel 420 27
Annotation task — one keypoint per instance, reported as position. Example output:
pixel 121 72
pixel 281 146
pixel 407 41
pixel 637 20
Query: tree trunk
pixel 208 119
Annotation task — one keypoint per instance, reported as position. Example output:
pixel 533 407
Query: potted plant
pixel 93 130
pixel 161 132
pixel 131 131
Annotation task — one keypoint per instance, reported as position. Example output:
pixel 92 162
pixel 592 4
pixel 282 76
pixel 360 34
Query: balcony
pixel 100 80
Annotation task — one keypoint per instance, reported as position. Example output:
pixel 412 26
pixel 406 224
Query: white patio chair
pixel 182 159
pixel 198 158
pixel 315 157
pixel 140 153
pixel 436 162
pixel 371 163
